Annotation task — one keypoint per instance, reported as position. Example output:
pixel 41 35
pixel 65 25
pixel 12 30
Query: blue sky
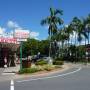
pixel 27 14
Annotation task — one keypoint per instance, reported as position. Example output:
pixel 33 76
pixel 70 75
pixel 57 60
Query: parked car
pixel 35 58
pixel 46 58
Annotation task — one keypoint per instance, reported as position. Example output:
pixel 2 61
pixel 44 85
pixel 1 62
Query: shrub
pixel 48 67
pixel 58 62
pixel 58 66
pixel 28 70
pixel 59 59
pixel 41 62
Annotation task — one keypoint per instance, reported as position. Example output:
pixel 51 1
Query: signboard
pixel 8 40
pixel 21 34
pixel 19 40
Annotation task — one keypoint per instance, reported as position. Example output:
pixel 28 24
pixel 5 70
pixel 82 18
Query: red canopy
pixel 8 40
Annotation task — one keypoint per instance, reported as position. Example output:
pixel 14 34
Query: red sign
pixel 8 40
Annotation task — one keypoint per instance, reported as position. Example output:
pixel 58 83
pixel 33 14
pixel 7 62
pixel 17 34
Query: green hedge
pixel 59 59
pixel 28 70
pixel 49 67
pixel 58 62
pixel 41 62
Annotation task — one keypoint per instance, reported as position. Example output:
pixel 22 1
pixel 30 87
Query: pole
pixel 50 60
pixel 20 55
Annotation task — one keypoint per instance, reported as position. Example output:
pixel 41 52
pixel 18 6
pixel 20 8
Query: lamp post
pixel 21 56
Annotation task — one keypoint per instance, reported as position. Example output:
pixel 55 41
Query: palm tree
pixel 78 27
pixel 88 25
pixel 52 21
pixel 87 29
pixel 68 30
pixel 61 37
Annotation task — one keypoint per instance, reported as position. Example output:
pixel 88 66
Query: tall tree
pixel 61 37
pixel 87 24
pixel 77 26
pixel 69 32
pixel 53 20
pixel 87 29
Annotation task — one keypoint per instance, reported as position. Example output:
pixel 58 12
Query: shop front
pixel 8 48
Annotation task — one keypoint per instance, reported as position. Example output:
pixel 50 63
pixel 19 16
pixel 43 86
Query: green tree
pixel 52 21
pixel 30 47
pixel 87 30
pixel 33 46
pixel 78 28
pixel 43 47
pixel 87 25
pixel 61 37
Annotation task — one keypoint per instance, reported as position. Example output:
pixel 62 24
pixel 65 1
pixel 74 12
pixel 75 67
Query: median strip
pixel 51 76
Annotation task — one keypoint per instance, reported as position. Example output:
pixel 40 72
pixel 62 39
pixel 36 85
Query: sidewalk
pixel 11 70
pixel 1 70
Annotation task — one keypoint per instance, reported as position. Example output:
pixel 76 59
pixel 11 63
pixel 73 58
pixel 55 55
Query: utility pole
pixel 21 55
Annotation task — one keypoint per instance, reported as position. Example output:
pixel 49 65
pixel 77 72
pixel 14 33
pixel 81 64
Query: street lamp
pixel 21 55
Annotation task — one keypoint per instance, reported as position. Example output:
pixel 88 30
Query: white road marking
pixel 51 76
pixel 12 85
pixel 8 73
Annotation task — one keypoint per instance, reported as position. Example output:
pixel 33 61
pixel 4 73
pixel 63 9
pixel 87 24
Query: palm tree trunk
pixel 50 60
pixel 88 46
pixel 88 37
pixel 85 49
pixel 76 47
pixel 68 50
pixel 50 45
pixel 59 49
pixel 80 53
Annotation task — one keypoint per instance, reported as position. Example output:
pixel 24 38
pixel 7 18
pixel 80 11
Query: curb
pixel 64 68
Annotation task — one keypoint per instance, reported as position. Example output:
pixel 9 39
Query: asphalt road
pixel 68 80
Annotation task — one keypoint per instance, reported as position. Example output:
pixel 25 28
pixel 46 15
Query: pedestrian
pixel 5 61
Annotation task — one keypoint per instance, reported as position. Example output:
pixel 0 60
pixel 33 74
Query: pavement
pixel 1 70
pixel 11 70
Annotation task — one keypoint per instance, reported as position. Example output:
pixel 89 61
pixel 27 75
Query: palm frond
pixel 58 12
pixel 79 38
pixel 43 22
pixel 52 12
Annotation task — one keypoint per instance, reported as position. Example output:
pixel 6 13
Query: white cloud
pixel 15 26
pixel 2 30
pixel 3 33
pixel 34 35
pixel 66 26
pixel 12 24
pixel 10 34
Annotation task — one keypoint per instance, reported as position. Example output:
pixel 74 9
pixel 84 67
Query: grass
pixel 38 69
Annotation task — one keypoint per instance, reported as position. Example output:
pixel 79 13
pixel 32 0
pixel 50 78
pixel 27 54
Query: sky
pixel 27 14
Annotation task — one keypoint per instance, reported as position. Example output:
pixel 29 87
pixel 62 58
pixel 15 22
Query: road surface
pixel 77 78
